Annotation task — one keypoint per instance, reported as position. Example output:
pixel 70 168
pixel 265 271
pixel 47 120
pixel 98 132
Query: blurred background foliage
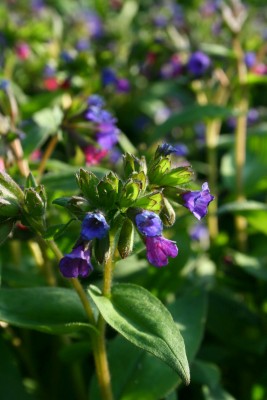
pixel 216 288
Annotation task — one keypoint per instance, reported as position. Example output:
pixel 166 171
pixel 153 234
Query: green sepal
pixel 30 181
pixel 141 178
pixel 152 201
pixel 158 168
pixel 126 239
pixel 129 193
pixel 102 249
pixel 75 204
pixel 9 207
pixel 6 227
pixel 176 177
pixel 35 201
pixel 9 188
pixel 167 213
pixel 87 182
pixel 133 164
pixel 107 190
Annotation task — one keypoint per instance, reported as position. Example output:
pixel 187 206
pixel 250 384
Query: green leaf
pixel 46 309
pixel 10 377
pixel 133 372
pixel 49 118
pixel 189 312
pixel 205 373
pixel 242 207
pixel 152 201
pixel 254 266
pixel 143 320
pixel 191 115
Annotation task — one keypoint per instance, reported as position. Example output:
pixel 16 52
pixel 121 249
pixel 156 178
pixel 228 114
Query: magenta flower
pixel 77 263
pixel 158 249
pixel 23 50
pixel 93 154
pixel 197 201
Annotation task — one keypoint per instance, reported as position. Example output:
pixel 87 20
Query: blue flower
pixel 108 77
pixel 77 263
pixel 4 83
pixel 159 249
pixel 198 63
pixel 96 100
pixel 197 201
pixel 149 223
pixel 179 149
pixel 94 226
pixel 250 59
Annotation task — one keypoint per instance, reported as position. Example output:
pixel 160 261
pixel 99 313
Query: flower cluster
pixel 130 203
pixel 78 261
pixel 106 131
pixel 158 248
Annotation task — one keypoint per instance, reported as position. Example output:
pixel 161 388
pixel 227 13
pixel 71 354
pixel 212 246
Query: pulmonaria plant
pixel 144 199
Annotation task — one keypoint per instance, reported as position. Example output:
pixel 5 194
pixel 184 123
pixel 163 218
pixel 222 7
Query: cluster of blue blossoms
pixel 150 227
pixel 106 131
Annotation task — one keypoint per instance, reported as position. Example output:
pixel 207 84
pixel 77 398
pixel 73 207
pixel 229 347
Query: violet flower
pixel 197 201
pixel 250 59
pixel 94 226
pixel 159 249
pixel 149 223
pixel 76 263
pixel 198 63
pixel 107 136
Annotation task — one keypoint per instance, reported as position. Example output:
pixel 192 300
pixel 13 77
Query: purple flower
pixel 197 201
pixel 253 116
pixel 159 249
pixel 250 59
pixel 94 226
pixel 107 136
pixel 96 100
pixel 98 115
pixel 198 63
pixel 122 85
pixel 77 263
pixel 149 223
pixel 82 44
pixel 199 232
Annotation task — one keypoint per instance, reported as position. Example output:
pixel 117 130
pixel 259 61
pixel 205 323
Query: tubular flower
pixel 197 201
pixel 94 226
pixel 158 249
pixel 76 263
pixel 149 223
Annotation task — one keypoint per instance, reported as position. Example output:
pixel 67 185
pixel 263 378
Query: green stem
pixel 98 339
pixel 240 143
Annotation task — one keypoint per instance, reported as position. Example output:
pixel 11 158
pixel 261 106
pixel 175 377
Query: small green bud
pixel 167 213
pixel 88 182
pixel 35 201
pixel 102 249
pixel 126 239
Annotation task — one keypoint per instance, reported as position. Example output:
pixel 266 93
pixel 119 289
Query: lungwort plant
pixel 116 216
